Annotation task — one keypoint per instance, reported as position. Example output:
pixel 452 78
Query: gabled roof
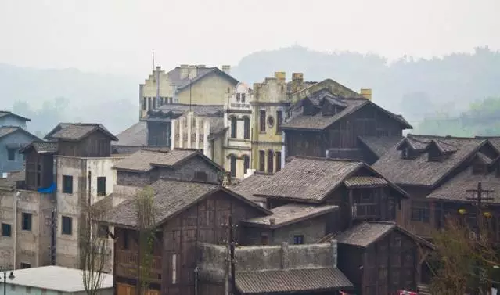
pixel 367 233
pixel 312 179
pixel 182 83
pixel 9 113
pixel 455 189
pixel 42 147
pixel 171 197
pixel 8 130
pixel 318 122
pixel 76 131
pixel 135 135
pixel 247 187
pixel 204 74
pixel 379 145
pixel 421 171
pixel 175 110
pixel 289 214
pixel 146 159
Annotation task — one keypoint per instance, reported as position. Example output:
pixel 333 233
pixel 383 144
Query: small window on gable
pixel 200 176
pixel 298 239
pixel 11 154
pixel 101 186
pixel 67 184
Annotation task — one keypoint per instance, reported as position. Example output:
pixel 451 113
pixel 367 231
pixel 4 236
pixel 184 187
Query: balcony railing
pixel 365 210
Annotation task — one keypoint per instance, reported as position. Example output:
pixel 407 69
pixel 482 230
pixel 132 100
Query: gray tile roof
pixel 144 160
pixel 4 113
pixel 456 188
pixel 291 280
pixel 42 147
pixel 364 234
pixel 379 145
pixel 135 135
pixel 420 171
pixel 249 186
pixel 174 110
pixel 291 213
pixel 364 181
pixel 170 197
pixel 308 178
pixel 77 131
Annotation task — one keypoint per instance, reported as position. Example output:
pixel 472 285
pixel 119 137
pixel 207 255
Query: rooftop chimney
pixel 297 82
pixel 226 69
pixel 366 93
pixel 184 71
pixel 280 76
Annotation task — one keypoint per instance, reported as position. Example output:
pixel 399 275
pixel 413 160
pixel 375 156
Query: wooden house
pixel 39 167
pixel 381 258
pixel 421 164
pixel 325 124
pixel 185 214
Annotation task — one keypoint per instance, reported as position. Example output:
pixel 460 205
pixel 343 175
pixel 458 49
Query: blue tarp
pixel 50 189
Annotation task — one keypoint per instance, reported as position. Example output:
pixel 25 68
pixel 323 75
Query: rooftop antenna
pixel 157 78
pixel 190 82
pixel 153 60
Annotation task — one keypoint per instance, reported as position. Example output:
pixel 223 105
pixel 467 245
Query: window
pixel 246 127
pixel 279 118
pixel 6 230
pixel 200 176
pixel 233 166
pixel 278 161
pixel 262 121
pixel 237 97
pixel 246 164
pixel 67 184
pixel 298 240
pixel 262 156
pixel 67 225
pixel 154 102
pixel 243 98
pixel 233 127
pixel 25 265
pixel 270 160
pixel 144 103
pixel 101 186
pixel 150 105
pixel 264 239
pixel 11 154
pixel 26 222
pixel 420 211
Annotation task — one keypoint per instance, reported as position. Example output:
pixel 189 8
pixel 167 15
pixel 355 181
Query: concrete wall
pixel 312 230
pixel 7 165
pixel 211 90
pixel 69 204
pixel 32 246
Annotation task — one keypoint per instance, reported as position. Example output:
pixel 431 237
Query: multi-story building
pixel 187 84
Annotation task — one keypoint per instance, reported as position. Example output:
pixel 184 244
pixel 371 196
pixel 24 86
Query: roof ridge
pixel 323 159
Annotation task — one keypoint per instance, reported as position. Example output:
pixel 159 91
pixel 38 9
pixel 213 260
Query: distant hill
pixel 437 88
pixel 49 95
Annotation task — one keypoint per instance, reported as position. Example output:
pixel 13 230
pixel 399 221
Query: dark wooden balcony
pixel 365 211
pixel 127 263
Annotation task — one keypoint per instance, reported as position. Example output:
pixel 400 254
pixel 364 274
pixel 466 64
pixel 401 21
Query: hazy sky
pixel 120 35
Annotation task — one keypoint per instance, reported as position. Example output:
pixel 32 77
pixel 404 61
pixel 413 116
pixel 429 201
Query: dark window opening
pixel 270 160
pixel 237 97
pixel 144 103
pixel 262 121
pixel 264 239
pixel 67 225
pixel 298 240
pixel 234 123
pixel 101 186
pixel 25 265
pixel 278 161
pixel 6 230
pixel 154 103
pixel 67 184
pixel 262 156
pixel 26 221
pixel 246 164
pixel 246 128
pixel 125 240
pixel 420 211
pixel 243 98
pixel 200 176
pixel 11 154
pixel 150 104
pixel 233 166
pixel 279 118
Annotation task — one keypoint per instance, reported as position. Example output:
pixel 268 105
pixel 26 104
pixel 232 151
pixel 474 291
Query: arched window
pixel 270 160
pixel 233 127
pixel 246 127
pixel 233 166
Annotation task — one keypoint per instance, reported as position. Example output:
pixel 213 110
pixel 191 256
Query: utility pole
pixel 478 198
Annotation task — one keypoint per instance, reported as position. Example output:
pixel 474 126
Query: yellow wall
pixel 149 89
pixel 211 90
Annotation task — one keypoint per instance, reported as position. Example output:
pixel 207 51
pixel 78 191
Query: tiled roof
pixel 291 213
pixel 170 198
pixel 308 178
pixel 364 234
pixel 379 145
pixel 181 83
pixel 456 188
pixel 144 160
pixel 4 113
pixel 6 130
pixel 364 181
pixel 174 110
pixel 420 171
pixel 135 135
pixel 77 131
pixel 249 186
pixel 205 73
pixel 42 147
pixel 291 280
